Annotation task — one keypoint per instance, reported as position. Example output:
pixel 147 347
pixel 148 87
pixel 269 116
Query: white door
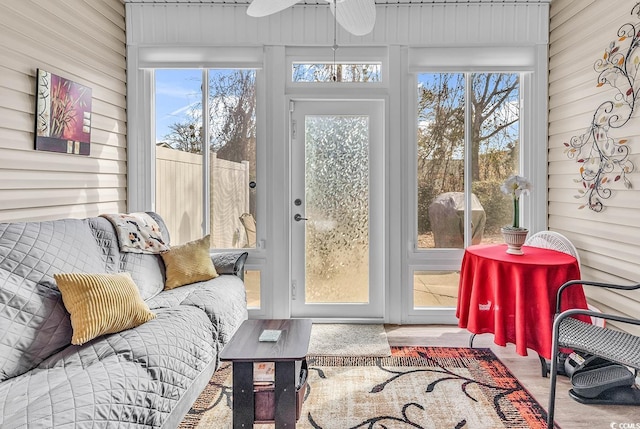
pixel 337 209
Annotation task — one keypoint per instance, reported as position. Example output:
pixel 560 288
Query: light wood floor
pixel 569 413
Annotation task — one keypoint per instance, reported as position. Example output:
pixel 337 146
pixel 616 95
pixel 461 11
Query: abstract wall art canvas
pixel 63 115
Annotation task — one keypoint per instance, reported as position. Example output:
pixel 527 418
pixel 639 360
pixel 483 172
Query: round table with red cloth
pixel 513 296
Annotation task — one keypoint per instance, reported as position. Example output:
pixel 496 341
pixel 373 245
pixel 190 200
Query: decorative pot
pixel 515 238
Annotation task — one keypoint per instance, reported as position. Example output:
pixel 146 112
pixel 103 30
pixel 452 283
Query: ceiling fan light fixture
pixel 358 17
pixel 260 8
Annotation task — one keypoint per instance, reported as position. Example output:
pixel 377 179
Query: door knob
pixel 298 218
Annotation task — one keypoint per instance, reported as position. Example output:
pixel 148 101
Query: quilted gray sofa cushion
pixel 133 378
pixel 146 270
pixel 223 299
pixel 33 321
pixel 143 377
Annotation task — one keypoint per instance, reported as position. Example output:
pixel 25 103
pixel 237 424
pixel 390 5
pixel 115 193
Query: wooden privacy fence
pixel 179 197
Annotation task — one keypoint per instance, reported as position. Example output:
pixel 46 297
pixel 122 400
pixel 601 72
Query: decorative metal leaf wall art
pixel 604 159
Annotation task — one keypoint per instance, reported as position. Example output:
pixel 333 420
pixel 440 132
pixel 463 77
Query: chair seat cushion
pixel 616 346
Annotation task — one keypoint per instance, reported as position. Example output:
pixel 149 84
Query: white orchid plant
pixel 515 186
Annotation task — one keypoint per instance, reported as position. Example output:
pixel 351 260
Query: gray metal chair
pixel 616 346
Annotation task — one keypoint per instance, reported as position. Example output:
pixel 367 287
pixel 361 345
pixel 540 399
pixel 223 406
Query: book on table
pixel 264 372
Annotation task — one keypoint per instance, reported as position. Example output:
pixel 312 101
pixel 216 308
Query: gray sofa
pixel 147 376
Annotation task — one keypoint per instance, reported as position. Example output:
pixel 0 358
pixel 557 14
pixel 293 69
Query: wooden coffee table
pixel 245 348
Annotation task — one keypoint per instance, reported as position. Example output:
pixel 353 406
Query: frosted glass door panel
pixel 337 209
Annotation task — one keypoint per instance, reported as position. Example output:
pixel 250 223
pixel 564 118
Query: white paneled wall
pixel 511 33
pixel 83 41
pixel 435 24
pixel 608 242
pixel 199 34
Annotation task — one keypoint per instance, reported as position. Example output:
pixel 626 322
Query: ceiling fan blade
pixel 260 8
pixel 356 16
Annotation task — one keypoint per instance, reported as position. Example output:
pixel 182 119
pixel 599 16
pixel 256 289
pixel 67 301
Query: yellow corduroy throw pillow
pixel 101 304
pixel 188 263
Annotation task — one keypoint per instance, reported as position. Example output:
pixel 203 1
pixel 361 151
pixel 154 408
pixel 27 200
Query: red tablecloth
pixel 514 296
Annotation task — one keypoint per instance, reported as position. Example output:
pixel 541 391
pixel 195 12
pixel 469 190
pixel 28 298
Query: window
pixel 466 122
pixel 206 164
pixel 468 143
pixel 232 137
pixel 252 283
pixel 435 288
pixel 340 72
pixel 179 163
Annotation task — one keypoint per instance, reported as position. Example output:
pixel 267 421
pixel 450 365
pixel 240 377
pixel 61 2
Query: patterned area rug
pixel 417 387
pixel 335 339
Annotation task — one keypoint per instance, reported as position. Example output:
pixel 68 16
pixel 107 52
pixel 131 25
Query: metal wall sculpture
pixel 604 159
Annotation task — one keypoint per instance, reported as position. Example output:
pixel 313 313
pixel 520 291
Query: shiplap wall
pixel 437 24
pixel 608 242
pixel 84 41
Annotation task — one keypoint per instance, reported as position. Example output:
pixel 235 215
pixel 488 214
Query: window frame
pixel 521 60
pixel 141 135
pixel 468 183
pixel 205 136
pixel 141 148
pixel 533 104
pixel 311 55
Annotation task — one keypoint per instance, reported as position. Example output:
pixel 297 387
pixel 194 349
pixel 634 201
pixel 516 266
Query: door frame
pixel 376 310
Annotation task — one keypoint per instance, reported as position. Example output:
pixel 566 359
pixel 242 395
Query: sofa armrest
pixel 230 263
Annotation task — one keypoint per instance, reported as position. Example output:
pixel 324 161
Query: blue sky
pixel 177 92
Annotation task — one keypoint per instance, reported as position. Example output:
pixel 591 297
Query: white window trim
pixel 271 122
pixel 141 148
pixel 343 55
pixel 531 62
pixel 532 66
pixel 141 109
